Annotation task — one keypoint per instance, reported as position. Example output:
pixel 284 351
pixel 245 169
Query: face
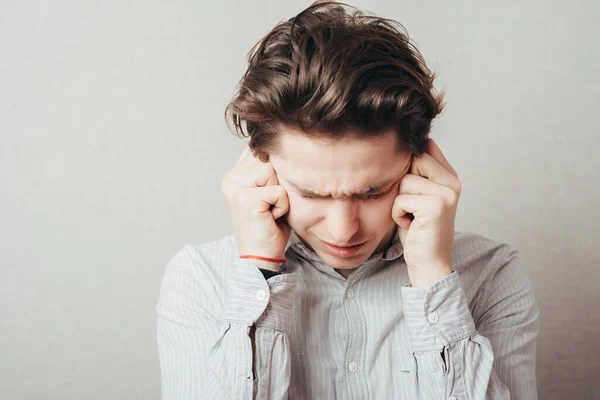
pixel 341 193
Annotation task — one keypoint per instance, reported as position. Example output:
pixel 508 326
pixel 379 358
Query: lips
pixel 342 251
pixel 343 246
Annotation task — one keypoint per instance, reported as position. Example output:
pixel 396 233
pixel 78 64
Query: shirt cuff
pixel 438 316
pixel 252 299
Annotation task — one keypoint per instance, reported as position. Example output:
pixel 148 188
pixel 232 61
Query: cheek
pixel 377 212
pixel 303 211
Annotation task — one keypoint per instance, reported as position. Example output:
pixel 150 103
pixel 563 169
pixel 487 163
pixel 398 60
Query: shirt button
pixel 260 295
pixel 350 293
pixel 352 367
pixel 433 318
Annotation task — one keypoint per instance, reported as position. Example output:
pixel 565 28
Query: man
pixel 344 277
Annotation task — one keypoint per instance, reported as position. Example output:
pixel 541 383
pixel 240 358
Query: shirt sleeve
pixel 203 334
pixel 459 359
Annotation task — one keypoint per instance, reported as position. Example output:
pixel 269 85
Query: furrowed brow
pixel 372 189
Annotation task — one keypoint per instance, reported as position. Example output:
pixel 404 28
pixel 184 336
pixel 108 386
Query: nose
pixel 342 221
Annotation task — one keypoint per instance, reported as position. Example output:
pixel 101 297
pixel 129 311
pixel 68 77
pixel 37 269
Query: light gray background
pixel 113 146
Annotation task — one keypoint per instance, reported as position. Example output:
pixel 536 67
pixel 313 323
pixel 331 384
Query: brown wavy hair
pixel 334 70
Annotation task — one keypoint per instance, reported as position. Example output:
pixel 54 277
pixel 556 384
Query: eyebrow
pixel 375 189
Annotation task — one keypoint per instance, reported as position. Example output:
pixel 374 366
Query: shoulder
pixel 201 268
pixel 472 250
pixel 485 265
pixel 218 251
pixel 205 255
pixel 495 281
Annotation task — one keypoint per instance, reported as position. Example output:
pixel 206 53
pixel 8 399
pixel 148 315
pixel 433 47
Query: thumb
pixel 275 199
pixel 403 222
pixel 405 205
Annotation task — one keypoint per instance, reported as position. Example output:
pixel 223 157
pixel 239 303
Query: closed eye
pixel 361 197
pixel 375 196
pixel 378 195
pixel 365 197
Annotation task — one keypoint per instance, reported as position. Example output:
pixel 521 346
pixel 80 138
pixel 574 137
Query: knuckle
pixel 458 186
pixel 454 198
pixel 224 184
pixel 267 169
pixel 282 192
pixel 451 197
pixel 225 189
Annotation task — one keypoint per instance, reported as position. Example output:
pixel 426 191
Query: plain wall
pixel 113 146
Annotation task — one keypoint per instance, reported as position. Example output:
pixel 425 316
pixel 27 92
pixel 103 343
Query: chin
pixel 342 263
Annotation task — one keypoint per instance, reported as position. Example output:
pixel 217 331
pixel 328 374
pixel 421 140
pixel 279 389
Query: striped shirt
pixel 471 335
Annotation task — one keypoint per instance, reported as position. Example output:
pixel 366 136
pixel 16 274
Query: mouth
pixel 342 251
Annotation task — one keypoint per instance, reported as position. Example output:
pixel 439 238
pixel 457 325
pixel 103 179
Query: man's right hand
pixel 256 203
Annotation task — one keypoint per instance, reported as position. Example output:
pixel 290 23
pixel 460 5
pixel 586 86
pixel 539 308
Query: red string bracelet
pixel 275 260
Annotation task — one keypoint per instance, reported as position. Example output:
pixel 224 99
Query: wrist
pixel 271 266
pixel 267 273
pixel 268 263
pixel 425 279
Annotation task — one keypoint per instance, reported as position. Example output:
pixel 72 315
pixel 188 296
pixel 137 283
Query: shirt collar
pixel 394 251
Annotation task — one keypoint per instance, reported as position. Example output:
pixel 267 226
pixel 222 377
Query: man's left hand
pixel 429 192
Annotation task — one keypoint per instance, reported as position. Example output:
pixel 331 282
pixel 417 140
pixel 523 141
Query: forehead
pixel 338 167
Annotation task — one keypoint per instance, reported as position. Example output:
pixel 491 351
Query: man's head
pixel 341 192
pixel 338 101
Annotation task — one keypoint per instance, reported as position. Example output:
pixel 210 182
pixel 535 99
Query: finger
pixel 259 174
pixel 415 204
pixel 282 203
pixel 434 150
pixel 426 166
pixel 247 159
pixel 269 198
pixel 414 184
pixel 243 154
pixel 404 221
